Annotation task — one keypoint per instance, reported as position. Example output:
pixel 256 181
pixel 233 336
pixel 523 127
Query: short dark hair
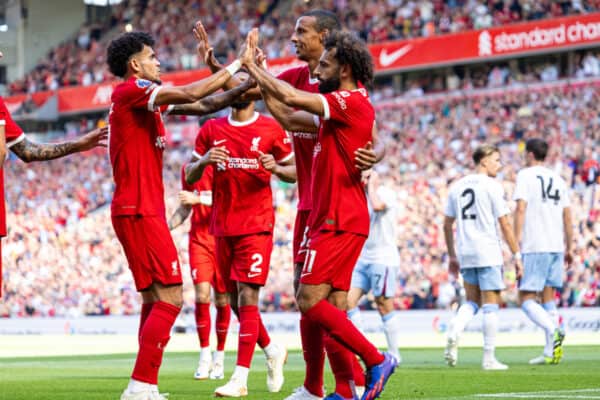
pixel 324 20
pixel 483 151
pixel 538 147
pixel 122 48
pixel 352 51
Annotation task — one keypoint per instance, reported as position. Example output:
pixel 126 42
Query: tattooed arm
pixel 30 151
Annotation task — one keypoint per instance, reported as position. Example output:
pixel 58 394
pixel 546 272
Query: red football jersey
pixel 304 142
pixel 339 199
pixel 13 135
pixel 199 231
pixel 136 144
pixel 242 198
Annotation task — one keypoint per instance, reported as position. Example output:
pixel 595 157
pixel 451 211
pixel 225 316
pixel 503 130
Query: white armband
pixel 234 67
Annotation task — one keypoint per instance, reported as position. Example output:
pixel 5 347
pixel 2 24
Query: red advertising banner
pixel 531 37
pixel 515 39
pixel 13 103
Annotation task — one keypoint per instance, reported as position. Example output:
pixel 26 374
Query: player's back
pixel 546 195
pixel 477 201
pixel 380 247
pixel 136 143
pixel 339 200
pixel 242 197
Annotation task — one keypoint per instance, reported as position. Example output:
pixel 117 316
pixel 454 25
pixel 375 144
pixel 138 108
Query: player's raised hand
pixel 261 58
pixel 453 266
pixel 96 138
pixel 215 155
pixel 365 157
pixel 188 198
pixel 268 161
pixel 248 51
pixel 205 50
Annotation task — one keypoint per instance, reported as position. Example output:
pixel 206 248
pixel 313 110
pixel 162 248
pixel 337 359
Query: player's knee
pixel 202 297
pixel 304 301
pixel 221 299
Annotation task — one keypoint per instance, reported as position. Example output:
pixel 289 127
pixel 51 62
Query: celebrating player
pixel 244 149
pixel 544 228
pixel 137 141
pixel 378 263
pixel 339 220
pixel 477 203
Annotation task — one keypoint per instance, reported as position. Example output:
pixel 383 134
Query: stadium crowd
pixel 80 60
pixel 61 256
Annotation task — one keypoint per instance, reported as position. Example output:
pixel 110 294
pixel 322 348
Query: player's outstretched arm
pixel 285 171
pixel 213 103
pixel 29 151
pixel 453 265
pixel 290 119
pixel 2 141
pixel 281 90
pixel 197 90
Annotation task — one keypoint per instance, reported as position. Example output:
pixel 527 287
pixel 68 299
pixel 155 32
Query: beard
pixel 329 85
pixel 240 105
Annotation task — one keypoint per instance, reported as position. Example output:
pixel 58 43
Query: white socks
pixel 391 328
pixel 490 327
pixel 241 375
pixel 271 350
pixel 541 318
pixel 205 354
pixel 135 386
pixel 550 308
pixel 463 316
pixel 354 315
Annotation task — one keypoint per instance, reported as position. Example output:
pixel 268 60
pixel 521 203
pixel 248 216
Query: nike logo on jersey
pixel 218 142
pixel 386 59
pixel 253 275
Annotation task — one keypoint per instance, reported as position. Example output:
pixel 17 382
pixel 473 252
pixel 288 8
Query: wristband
pixel 234 67
pixel 2 122
pixel 517 256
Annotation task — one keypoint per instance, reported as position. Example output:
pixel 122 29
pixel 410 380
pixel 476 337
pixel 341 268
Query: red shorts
pixel 331 258
pixel 244 258
pixel 0 268
pixel 149 249
pixel 300 238
pixel 203 265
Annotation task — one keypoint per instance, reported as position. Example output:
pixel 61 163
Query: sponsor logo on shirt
pixel 305 135
pixel 340 100
pixel 242 163
pixel 255 143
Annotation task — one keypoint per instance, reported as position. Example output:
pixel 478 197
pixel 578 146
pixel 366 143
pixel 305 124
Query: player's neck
pixel 481 171
pixel 312 66
pixel 536 163
pixel 242 115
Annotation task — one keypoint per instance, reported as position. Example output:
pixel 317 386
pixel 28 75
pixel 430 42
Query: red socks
pixel 248 335
pixel 203 323
pixel 358 371
pixel 263 336
pixel 222 325
pixel 314 355
pixel 336 323
pixel 146 308
pixel 340 359
pixel 153 339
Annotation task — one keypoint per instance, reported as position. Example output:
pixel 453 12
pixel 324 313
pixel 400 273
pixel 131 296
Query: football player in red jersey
pixel 197 200
pixel 339 220
pixel 136 143
pixel 245 149
pixel 310 30
pixel 13 139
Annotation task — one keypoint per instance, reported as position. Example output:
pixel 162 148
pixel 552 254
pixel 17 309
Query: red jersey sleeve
pixel 12 131
pixel 202 144
pixel 336 106
pixel 141 93
pixel 282 146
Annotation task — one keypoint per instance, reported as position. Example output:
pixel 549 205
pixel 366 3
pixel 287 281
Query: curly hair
pixel 352 51
pixel 122 48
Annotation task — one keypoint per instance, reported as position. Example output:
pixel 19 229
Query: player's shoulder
pixel 269 121
pixel 295 73
pixel 133 84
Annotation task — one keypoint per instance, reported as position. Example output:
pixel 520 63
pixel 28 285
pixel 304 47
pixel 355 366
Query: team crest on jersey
pixel 317 149
pixel 142 83
pixel 161 142
pixel 255 143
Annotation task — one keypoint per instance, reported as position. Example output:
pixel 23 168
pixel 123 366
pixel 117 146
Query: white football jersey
pixel 546 195
pixel 380 247
pixel 477 201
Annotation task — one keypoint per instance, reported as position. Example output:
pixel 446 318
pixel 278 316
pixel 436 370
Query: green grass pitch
pixel 422 375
